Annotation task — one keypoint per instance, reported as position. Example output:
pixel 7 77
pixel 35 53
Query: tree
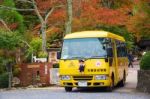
pixel 113 4
pixel 9 40
pixel 69 14
pixel 139 23
pixel 2 66
pixel 11 17
pixel 9 43
pixel 42 18
pixel 93 15
pixel 86 15
pixel 43 21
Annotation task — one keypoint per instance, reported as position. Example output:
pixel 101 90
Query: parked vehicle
pixel 101 55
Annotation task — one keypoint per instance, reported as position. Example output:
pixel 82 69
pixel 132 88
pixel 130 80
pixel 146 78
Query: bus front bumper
pixel 93 83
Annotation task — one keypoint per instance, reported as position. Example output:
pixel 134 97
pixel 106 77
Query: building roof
pixel 93 34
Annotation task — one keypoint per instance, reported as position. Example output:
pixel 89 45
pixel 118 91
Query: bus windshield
pixel 83 48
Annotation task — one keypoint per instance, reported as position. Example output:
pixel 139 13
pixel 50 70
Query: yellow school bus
pixel 103 56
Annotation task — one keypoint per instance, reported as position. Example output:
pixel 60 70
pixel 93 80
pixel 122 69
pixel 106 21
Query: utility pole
pixel 69 17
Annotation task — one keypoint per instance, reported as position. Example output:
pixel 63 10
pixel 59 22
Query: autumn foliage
pixel 139 23
pixel 93 14
pixel 87 14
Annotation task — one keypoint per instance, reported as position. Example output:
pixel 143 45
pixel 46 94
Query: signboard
pixel 33 66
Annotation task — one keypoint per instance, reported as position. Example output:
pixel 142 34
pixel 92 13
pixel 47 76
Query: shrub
pixel 145 61
pixel 42 54
pixel 16 70
pixel 4 80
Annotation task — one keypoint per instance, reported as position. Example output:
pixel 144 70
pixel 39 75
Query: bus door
pixel 112 54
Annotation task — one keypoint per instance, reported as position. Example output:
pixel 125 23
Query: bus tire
pixel 122 82
pixel 68 89
pixel 110 88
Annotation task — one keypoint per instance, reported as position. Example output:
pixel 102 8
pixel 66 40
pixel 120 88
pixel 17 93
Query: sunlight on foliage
pixel 35 46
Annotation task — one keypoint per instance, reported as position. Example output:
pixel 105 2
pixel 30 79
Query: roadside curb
pixel 11 89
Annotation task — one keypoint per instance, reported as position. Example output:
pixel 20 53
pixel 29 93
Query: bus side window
pixel 125 50
pixel 121 49
pixel 110 49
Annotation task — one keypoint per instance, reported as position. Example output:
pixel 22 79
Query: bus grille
pixel 82 77
pixel 96 70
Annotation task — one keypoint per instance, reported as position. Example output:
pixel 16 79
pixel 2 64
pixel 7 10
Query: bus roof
pixel 93 34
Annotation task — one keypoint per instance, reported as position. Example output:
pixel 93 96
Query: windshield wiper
pixel 97 57
pixel 77 58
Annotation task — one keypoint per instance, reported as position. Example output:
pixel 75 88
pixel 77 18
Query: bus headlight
pixel 101 77
pixel 65 77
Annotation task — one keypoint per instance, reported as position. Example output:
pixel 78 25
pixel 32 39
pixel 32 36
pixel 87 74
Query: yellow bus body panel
pixel 93 34
pixel 71 68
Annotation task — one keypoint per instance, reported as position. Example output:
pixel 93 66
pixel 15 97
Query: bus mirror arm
pixel 106 59
pixel 58 55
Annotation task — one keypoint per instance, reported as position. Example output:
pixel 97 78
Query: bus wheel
pixel 110 88
pixel 122 82
pixel 68 89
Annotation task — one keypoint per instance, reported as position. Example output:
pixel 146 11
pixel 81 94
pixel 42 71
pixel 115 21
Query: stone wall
pixel 143 84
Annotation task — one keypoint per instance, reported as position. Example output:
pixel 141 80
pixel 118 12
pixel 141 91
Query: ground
pixel 127 92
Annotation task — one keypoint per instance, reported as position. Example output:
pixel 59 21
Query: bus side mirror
pixel 109 52
pixel 58 55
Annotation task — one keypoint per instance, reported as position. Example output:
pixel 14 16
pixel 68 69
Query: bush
pixel 16 70
pixel 145 61
pixel 42 54
pixel 4 78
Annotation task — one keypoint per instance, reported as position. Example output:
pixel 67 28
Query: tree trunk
pixel 78 10
pixel 69 19
pixel 43 26
pixel 10 79
pixel 43 29
pixel 10 75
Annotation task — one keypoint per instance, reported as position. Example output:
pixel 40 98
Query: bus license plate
pixel 82 83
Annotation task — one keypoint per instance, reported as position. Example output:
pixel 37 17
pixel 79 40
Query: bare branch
pixel 59 6
pixel 50 11
pixel 37 11
pixel 5 25
pixel 26 43
pixel 48 14
pixel 43 26
pixel 11 8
